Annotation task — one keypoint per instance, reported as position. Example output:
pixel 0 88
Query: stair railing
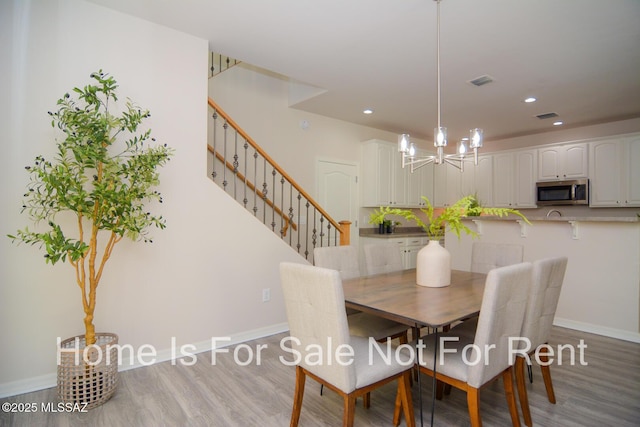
pixel 240 166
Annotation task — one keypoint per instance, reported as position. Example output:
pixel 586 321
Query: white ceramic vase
pixel 433 268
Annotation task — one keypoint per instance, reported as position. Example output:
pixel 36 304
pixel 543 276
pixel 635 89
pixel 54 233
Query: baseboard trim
pixel 598 330
pixel 42 382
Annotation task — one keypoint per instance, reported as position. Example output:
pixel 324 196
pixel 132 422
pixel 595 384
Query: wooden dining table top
pixel 398 297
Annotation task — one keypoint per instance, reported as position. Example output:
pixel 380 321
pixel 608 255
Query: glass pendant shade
pixel 440 139
pixel 403 142
pixel 476 138
pixel 462 148
pixel 412 150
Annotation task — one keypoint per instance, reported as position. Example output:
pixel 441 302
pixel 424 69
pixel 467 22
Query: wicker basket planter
pixel 88 377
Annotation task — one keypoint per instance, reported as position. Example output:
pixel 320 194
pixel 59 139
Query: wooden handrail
pixel 281 171
pixel 258 192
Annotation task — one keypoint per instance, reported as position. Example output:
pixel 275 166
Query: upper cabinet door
pixel 632 173
pixel 575 161
pixel 561 162
pixel 605 173
pixel 484 180
pixel 525 179
pixel 614 172
pixel 378 173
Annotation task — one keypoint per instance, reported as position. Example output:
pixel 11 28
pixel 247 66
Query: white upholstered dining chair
pixel 344 259
pixel 486 256
pixel 542 302
pixel 548 276
pixel 501 316
pixel 382 258
pixel 314 301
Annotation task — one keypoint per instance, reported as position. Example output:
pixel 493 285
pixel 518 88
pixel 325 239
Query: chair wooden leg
pixel 546 376
pixel 522 390
pixel 507 379
pixel 473 402
pixel 397 410
pixel 297 396
pixel 439 389
pixel 403 403
pixel 349 410
pixel 407 403
pixel 366 400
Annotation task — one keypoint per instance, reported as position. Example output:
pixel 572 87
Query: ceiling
pixel 580 58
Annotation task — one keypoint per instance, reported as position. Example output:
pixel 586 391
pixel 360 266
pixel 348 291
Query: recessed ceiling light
pixel 530 99
pixel 558 123
pixel 367 111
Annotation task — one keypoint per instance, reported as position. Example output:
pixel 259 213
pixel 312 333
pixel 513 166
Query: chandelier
pixel 408 149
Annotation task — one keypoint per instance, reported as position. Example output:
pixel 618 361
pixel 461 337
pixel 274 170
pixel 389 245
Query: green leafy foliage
pixel 378 215
pixel 105 171
pixel 451 216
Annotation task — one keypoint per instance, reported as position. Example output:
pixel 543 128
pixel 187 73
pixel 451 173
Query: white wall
pixel 192 282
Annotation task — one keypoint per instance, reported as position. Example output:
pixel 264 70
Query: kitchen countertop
pixel 561 218
pixel 399 233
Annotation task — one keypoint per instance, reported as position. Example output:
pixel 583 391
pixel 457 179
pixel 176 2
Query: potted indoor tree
pixel 83 202
pixel 434 261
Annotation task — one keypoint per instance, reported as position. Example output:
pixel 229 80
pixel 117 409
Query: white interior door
pixel 338 193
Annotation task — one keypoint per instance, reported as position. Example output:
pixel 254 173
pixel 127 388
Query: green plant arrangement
pixel 103 174
pixel 452 216
pixel 377 216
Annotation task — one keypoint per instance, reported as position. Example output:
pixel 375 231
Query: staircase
pixel 248 174
pixel 219 63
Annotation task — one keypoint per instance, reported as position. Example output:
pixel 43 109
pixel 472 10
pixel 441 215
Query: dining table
pixel 397 296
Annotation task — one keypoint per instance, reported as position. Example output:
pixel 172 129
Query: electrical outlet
pixel 266 294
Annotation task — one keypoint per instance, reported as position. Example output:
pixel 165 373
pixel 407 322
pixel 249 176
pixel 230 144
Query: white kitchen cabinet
pixel 407 246
pixel 614 172
pixel 410 250
pixel 447 185
pixel 561 162
pixel 387 183
pixel 514 179
pixel 378 173
pixel 419 183
pixel 450 185
pixel 503 172
pixel 525 179
pixel 483 180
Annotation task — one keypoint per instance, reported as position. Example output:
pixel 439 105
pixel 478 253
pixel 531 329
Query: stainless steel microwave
pixel 572 192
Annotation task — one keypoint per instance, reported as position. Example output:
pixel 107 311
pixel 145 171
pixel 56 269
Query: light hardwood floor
pixel 604 393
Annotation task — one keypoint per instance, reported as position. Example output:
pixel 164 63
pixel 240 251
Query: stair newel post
pixel 345 235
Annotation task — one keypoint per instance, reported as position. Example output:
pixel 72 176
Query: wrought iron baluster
pixel 264 193
pixel 215 128
pixel 299 226
pixel 235 166
pixel 314 235
pixel 322 234
pixel 245 201
pixel 225 126
pixel 282 219
pixel 273 200
pixel 290 215
pixel 306 237
pixel 255 179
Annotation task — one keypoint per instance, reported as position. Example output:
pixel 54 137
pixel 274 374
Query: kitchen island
pixel 601 291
